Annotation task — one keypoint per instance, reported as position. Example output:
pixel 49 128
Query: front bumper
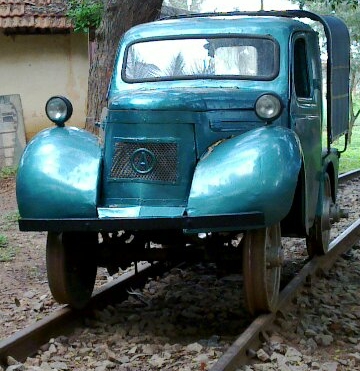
pixel 190 224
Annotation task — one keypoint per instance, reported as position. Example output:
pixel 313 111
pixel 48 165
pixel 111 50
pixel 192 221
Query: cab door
pixel 306 113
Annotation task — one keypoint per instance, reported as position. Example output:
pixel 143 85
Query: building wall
pixel 39 66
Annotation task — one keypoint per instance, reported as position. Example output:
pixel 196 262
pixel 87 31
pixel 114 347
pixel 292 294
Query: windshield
pixel 236 57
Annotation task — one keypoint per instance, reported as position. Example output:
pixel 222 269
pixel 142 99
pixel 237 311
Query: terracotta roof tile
pixel 39 14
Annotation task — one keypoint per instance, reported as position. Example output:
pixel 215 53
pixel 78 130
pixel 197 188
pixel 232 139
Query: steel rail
pixel 349 175
pixel 242 350
pixel 27 341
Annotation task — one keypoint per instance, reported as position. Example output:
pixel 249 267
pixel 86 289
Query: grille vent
pixel 161 161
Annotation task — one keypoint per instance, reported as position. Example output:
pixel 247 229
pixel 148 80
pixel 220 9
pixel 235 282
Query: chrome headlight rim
pixel 268 107
pixel 58 109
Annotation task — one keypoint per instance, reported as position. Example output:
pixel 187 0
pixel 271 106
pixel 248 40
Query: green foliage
pixel 3 241
pixel 350 159
pixel 12 217
pixel 85 14
pixel 343 10
pixel 7 254
pixel 7 172
pixel 333 4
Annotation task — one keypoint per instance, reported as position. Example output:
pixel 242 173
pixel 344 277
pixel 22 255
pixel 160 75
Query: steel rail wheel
pixel 262 261
pixel 71 267
pixel 317 242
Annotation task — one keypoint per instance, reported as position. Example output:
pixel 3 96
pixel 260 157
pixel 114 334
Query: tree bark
pixel 119 16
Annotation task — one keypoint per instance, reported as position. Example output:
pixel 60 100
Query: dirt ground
pixel 22 267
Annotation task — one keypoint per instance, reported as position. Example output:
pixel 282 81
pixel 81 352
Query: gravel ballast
pixel 186 319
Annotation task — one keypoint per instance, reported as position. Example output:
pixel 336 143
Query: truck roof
pixel 217 24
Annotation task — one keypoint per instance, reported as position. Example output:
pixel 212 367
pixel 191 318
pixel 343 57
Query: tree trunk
pixel 119 16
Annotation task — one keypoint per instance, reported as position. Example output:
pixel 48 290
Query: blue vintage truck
pixel 211 139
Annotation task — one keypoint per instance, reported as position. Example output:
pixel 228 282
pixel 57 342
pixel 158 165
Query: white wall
pixel 39 66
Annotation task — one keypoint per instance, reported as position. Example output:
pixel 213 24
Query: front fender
pixel 58 175
pixel 256 171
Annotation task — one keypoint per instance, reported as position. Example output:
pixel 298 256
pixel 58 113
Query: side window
pixel 301 69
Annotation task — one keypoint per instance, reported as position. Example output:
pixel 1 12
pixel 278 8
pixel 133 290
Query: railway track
pixel 243 349
pixel 27 341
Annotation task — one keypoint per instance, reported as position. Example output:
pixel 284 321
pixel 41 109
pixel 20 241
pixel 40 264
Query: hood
pixel 193 99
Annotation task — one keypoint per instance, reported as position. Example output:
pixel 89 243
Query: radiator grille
pixel 148 161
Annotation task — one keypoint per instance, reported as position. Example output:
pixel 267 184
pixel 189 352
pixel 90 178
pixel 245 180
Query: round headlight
pixel 268 107
pixel 58 109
